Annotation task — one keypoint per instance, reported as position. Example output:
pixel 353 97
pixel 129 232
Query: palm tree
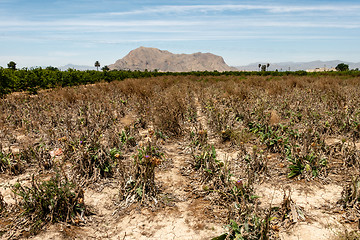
pixel 97 65
pixel 259 66
pixel 267 66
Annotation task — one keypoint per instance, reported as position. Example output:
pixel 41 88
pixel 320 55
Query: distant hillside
pixel 296 66
pixel 152 58
pixel 77 67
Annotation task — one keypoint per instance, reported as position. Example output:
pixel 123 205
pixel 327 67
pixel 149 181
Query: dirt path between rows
pixel 187 215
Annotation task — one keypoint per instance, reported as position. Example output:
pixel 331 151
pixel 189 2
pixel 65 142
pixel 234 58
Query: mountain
pixel 296 66
pixel 152 58
pixel 77 67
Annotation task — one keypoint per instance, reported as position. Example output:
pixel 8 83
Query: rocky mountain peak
pixel 152 58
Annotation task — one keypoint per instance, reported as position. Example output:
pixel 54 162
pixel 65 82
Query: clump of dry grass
pixel 348 235
pixel 209 166
pixel 169 112
pixel 141 186
pixel 2 204
pixel 55 200
pixel 198 139
pixel 350 200
pixel 10 163
pixel 39 154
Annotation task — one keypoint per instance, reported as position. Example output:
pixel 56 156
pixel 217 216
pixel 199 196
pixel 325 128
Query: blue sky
pixel 58 32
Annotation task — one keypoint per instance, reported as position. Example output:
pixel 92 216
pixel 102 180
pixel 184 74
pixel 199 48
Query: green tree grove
pixel 342 67
pixel 12 65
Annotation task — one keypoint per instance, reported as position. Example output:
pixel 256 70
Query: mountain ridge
pixel 280 66
pixel 77 67
pixel 151 59
pixel 296 66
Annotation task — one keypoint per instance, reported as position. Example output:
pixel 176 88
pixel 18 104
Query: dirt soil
pixel 192 216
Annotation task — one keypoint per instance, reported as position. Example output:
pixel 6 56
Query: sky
pixel 59 32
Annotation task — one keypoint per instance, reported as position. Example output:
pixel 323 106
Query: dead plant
pixel 141 186
pixel 56 200
pixel 9 163
pixel 2 204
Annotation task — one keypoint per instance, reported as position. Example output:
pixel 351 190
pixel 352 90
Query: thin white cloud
pixel 231 24
pixel 302 24
pixel 95 23
pixel 343 9
pixel 200 36
pixel 217 37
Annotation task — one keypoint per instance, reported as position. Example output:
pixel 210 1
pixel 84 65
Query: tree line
pixel 34 79
pixel 31 80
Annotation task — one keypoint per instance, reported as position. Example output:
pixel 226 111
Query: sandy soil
pixel 191 216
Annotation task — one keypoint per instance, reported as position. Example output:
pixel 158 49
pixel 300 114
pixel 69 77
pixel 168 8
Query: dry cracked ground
pixel 189 214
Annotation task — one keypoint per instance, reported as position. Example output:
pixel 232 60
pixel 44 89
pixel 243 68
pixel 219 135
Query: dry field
pixel 258 157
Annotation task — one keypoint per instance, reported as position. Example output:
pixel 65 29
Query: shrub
pixel 38 154
pixel 198 138
pixel 141 186
pixel 92 162
pixel 252 227
pixel 169 111
pixel 10 164
pixel 351 193
pixel 127 137
pixel 208 165
pixel 306 161
pixel 56 200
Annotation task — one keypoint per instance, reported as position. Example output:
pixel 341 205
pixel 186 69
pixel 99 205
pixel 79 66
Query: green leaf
pixel 234 225
pixel 315 172
pixel 139 191
pixel 254 197
pixel 221 237
pixel 293 174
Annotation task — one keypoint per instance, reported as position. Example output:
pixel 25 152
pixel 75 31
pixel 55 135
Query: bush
pixel 92 162
pixel 9 164
pixel 142 186
pixel 56 200
pixel 209 166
